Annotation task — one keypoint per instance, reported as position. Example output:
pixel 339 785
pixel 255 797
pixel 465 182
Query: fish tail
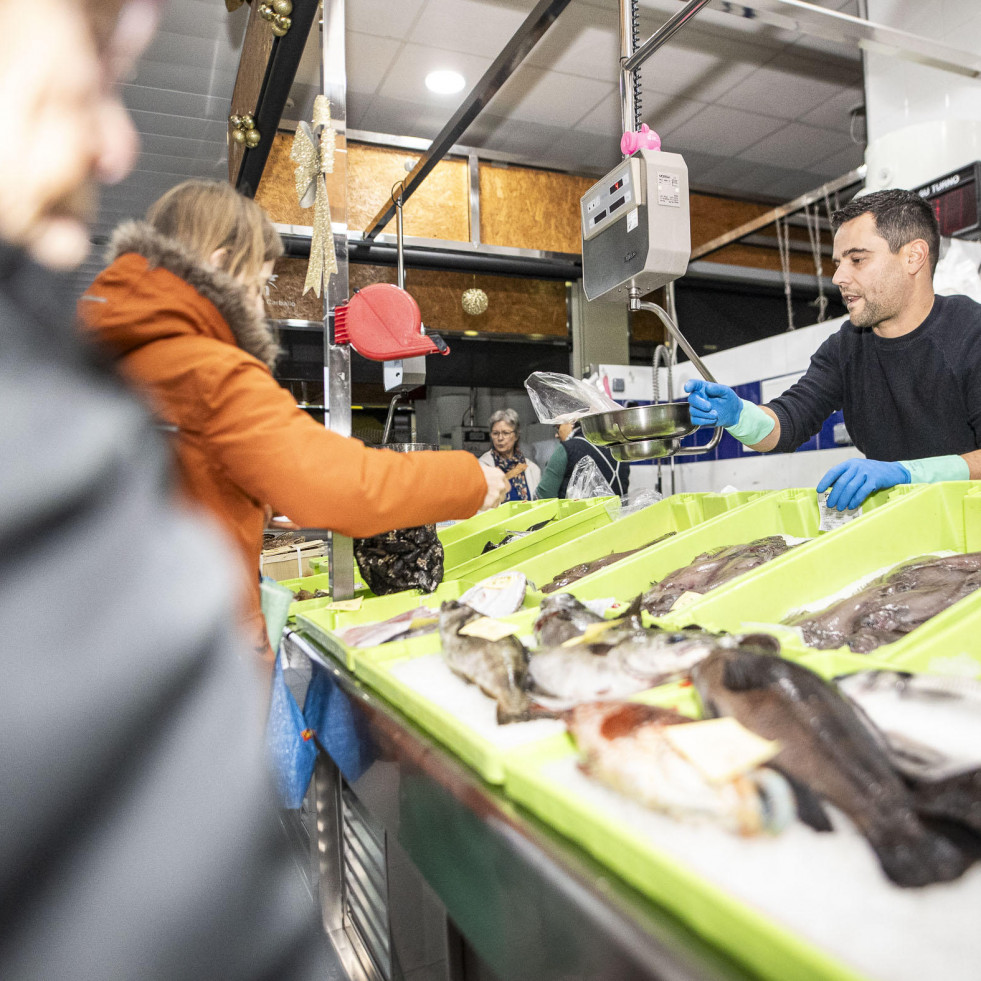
pixel 913 856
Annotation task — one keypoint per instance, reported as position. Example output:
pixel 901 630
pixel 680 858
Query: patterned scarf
pixel 519 485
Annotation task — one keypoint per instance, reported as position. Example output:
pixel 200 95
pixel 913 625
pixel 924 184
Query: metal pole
pixel 337 357
pixel 664 34
pixel 503 66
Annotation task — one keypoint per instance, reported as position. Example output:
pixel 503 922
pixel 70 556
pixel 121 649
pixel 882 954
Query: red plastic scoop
pixel 383 323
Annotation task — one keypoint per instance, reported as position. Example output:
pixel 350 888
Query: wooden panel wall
pixel 530 209
pixel 439 208
pixel 516 306
pixel 519 207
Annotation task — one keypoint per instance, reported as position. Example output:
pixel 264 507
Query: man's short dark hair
pixel 900 217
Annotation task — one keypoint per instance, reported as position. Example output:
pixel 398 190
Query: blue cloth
pixel 290 745
pixel 328 714
pixel 853 481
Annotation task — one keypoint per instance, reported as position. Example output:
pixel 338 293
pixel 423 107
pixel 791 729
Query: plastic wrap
pixel 560 398
pixel 587 481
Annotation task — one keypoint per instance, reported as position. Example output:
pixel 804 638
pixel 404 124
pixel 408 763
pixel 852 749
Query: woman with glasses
pixel 506 456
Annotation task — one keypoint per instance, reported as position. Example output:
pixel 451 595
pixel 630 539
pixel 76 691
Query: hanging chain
pixel 635 74
pixel 783 244
pixel 814 234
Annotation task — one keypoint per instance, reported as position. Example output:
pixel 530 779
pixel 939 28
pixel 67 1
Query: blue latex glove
pixel 712 404
pixel 854 480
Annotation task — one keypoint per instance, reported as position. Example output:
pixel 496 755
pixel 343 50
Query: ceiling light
pixel 445 82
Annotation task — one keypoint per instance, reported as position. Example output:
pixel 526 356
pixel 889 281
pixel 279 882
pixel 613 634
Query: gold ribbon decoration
pixel 313 152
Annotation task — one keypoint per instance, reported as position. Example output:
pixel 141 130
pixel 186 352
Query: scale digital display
pixel 616 187
pixel 956 201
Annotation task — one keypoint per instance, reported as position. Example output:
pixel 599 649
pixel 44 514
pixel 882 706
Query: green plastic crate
pixel 928 519
pixel 325 625
pixel 792 512
pixel 570 525
pixel 674 514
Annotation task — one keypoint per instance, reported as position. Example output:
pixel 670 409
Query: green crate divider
pixel 484 521
pixel 319 581
pixel 715 504
pixel 929 518
pixel 768 949
pixel 515 516
pixel 673 514
pixel 792 512
pixel 325 625
pixel 571 524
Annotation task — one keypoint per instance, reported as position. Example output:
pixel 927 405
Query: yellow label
pixel 720 749
pixel 488 629
pixel 501 582
pixel 346 606
pixel 686 599
pixel 423 622
pixel 591 633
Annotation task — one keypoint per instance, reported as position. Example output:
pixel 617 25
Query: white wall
pixel 922 122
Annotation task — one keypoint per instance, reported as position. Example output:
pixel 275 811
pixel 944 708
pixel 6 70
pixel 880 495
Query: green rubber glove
pixel 933 469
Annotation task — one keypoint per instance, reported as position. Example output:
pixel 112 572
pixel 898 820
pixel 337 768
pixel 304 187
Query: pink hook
pixel 643 139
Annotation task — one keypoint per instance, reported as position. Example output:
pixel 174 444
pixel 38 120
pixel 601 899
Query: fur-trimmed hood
pixel 252 333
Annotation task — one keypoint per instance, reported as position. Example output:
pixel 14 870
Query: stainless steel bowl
pixel 665 420
pixel 644 449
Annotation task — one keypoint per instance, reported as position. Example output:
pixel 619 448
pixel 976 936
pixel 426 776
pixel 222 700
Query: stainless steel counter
pixel 524 903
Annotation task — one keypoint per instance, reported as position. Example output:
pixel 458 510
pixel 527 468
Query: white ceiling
pixel 757 111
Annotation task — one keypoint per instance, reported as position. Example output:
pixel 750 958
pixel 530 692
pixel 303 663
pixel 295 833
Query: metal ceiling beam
pixel 663 34
pixel 284 59
pixel 856 176
pixel 833 25
pixel 503 66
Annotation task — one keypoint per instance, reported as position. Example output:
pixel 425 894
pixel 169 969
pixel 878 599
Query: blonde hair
pixel 210 215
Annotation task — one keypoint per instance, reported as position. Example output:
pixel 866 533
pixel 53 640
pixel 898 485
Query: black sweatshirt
pixel 903 397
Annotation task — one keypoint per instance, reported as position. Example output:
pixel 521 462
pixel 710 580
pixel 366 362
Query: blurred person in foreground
pixel 905 368
pixel 181 310
pixel 138 835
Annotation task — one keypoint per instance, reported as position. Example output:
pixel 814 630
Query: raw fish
pixel 584 569
pixel 497 667
pixel 497 596
pixel 711 569
pixel 623 745
pixel 889 609
pixel 412 623
pixel 830 751
pixel 562 617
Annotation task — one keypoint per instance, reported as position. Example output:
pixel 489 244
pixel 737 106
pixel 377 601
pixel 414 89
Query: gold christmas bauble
pixel 474 302
pixel 238 136
pixel 252 137
pixel 266 12
pixel 248 122
pixel 283 7
pixel 281 26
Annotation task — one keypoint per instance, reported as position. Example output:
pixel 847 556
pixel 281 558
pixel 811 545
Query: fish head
pixel 453 616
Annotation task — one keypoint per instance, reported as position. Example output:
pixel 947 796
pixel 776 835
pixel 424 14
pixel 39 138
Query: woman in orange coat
pixel 180 308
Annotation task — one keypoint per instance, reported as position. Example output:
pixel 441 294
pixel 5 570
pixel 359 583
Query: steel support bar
pixel 503 66
pixel 337 357
pixel 664 34
pixel 805 200
pixel 833 25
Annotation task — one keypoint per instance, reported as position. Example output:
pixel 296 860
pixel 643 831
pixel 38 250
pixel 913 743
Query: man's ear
pixel 917 255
